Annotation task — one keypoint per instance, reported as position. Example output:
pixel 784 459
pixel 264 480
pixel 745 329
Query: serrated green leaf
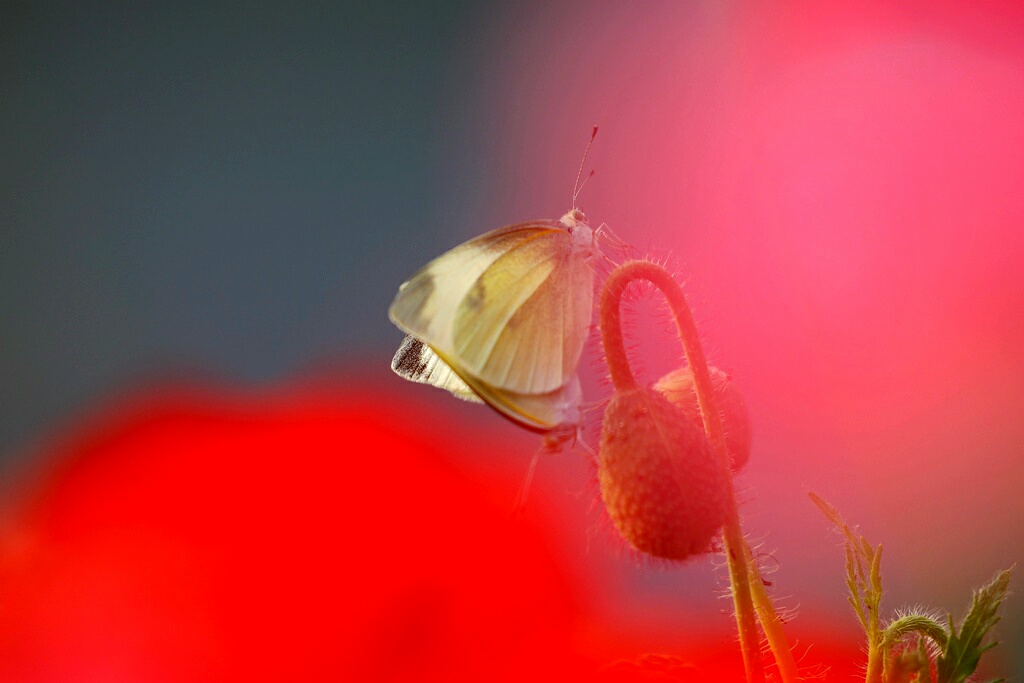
pixel 963 650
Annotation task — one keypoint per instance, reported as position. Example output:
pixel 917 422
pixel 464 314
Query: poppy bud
pixel 662 483
pixel 678 387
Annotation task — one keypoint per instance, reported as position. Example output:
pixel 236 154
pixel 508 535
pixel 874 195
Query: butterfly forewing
pixel 552 325
pixel 537 348
pixel 426 303
pixel 489 340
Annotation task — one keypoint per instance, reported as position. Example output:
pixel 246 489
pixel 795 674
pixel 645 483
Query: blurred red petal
pixel 197 535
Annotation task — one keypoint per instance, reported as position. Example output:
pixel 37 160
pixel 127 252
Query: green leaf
pixel 864 580
pixel 963 650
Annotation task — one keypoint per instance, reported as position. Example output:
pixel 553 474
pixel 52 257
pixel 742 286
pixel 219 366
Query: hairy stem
pixel 873 600
pixel 771 624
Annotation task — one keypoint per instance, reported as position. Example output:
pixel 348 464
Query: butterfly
pixel 502 319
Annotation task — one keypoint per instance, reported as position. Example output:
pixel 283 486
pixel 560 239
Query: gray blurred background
pixel 214 188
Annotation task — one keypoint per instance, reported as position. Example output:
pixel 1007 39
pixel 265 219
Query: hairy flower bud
pixel 678 387
pixel 661 481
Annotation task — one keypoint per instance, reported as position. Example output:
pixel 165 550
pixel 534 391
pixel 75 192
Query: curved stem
pixel 622 377
pixel 611 331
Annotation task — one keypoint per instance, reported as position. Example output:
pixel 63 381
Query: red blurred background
pixel 191 533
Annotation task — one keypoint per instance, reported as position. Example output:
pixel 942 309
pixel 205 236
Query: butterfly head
pixel 574 217
pixel 575 223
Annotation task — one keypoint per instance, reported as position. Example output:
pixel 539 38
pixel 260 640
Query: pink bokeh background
pixel 840 189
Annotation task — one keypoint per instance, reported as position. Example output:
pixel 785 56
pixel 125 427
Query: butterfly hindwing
pixel 417 362
pixel 539 412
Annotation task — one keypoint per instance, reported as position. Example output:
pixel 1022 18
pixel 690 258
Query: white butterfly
pixel 503 318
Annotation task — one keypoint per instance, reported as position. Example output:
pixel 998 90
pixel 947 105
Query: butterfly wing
pixel 554 410
pixel 523 324
pixel 511 307
pixel 507 313
pixel 426 303
pixel 416 362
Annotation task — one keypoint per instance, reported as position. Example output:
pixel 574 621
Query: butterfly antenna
pixel 578 187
